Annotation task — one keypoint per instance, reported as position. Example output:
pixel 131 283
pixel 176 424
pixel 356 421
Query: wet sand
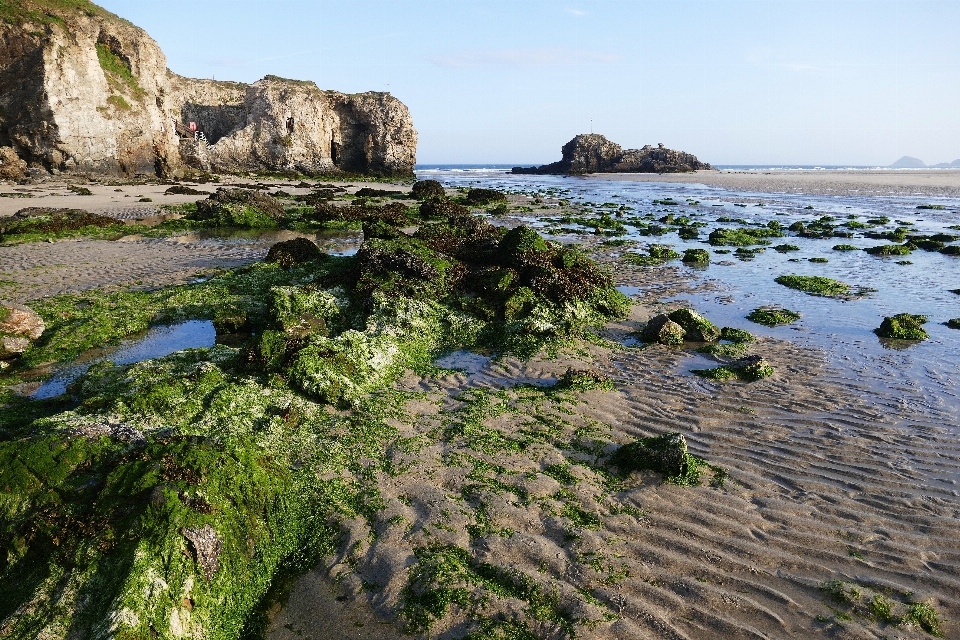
pixel 879 182
pixel 828 481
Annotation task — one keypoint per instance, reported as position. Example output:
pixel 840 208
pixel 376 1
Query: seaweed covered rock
pixel 666 454
pixel 584 380
pixel 300 311
pixel 424 189
pixel 773 316
pixel 19 327
pixel 239 208
pixel 293 252
pixel 695 326
pixel 663 330
pixel 440 208
pixel 368 192
pixel 479 197
pixel 180 190
pixel 51 221
pixel 393 213
pixel 696 256
pixel 519 241
pixel 889 250
pixel 953 323
pixel 903 326
pixel 748 368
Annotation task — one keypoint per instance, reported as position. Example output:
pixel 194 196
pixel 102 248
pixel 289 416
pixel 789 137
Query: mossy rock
pixel 953 323
pixel 666 454
pixel 785 248
pixel 738 336
pixel 423 189
pixel 773 316
pixel 951 250
pixel 584 380
pixel 845 247
pixel 241 208
pixel 747 369
pixel 889 250
pixel 662 252
pixel 814 285
pixel 440 208
pixel 301 311
pixel 903 326
pixel 696 256
pixel 520 240
pixel 479 197
pixel 289 253
pixel 742 237
pixel 661 329
pixel 695 326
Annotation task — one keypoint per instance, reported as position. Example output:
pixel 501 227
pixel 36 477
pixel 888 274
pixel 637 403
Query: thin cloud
pixel 524 58
pixel 575 12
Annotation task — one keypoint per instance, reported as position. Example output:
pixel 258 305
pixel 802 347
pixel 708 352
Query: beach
pixel 838 473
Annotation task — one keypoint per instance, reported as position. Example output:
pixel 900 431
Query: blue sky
pixel 501 81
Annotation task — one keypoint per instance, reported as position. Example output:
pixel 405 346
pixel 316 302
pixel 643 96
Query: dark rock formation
pixel 423 189
pixel 82 90
pixel 593 153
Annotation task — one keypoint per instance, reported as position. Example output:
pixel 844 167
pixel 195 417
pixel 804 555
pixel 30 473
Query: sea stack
pixel 82 90
pixel 593 153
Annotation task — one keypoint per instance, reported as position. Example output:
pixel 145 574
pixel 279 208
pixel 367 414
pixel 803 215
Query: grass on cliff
pixel 19 12
pixel 117 71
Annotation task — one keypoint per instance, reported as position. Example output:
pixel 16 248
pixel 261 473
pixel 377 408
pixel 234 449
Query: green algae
pixel 746 369
pixel 773 316
pixel 696 256
pixel 233 442
pixel 889 250
pixel 743 237
pixel 784 248
pixel 814 285
pixel 881 605
pixel 845 247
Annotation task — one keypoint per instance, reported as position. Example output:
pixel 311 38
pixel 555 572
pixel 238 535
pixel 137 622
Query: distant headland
pixel 593 153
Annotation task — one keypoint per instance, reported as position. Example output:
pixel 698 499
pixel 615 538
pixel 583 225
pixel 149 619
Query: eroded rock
pixel 593 153
pixel 664 330
pixel 206 547
pixel 19 327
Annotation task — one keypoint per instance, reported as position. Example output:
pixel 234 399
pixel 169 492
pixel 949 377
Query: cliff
pixel 593 153
pixel 83 90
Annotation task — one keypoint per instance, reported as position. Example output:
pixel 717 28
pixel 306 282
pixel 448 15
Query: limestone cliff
pixel 83 90
pixel 593 153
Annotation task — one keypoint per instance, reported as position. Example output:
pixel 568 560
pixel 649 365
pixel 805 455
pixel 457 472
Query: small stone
pixel 206 547
pixel 663 330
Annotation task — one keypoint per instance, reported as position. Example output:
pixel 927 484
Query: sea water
pixel 925 374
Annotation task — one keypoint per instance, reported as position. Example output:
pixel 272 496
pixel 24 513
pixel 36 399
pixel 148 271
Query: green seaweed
pixel 903 326
pixel 773 316
pixel 814 285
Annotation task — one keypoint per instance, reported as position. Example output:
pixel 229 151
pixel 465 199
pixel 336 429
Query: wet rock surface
pixel 19 327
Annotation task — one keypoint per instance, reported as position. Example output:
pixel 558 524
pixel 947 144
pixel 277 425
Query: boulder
pixel 19 327
pixel 752 368
pixel 423 189
pixel 663 330
pixel 11 166
pixel 240 208
pixel 479 197
pixel 293 252
pixel 696 327
pixel 666 454
pixel 593 153
pixel 903 326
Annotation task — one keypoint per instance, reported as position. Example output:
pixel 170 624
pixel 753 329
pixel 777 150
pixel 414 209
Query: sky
pixel 840 82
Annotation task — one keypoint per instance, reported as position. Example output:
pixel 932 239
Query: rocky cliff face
pixel 593 153
pixel 83 90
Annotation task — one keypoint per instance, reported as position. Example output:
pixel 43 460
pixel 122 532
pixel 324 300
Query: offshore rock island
pixel 82 90
pixel 593 153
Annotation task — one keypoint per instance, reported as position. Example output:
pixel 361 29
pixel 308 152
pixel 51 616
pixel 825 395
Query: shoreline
pixel 879 182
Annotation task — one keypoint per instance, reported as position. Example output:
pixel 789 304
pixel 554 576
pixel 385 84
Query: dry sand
pixel 874 182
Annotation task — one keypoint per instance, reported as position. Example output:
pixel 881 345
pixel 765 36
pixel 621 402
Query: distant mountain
pixel 906 162
pixel 947 165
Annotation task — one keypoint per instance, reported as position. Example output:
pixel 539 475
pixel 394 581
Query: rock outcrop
pixel 593 153
pixel 82 90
